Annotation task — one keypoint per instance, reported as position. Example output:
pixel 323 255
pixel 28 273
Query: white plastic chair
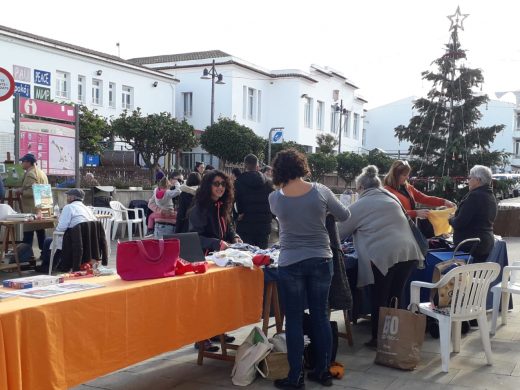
pixel 122 218
pixel 54 246
pixel 107 222
pixel 509 285
pixel 468 302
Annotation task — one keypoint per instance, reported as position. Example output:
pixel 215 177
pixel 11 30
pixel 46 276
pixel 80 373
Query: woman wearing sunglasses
pixel 211 213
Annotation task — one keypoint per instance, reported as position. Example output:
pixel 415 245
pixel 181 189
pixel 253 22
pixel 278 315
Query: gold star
pixel 457 19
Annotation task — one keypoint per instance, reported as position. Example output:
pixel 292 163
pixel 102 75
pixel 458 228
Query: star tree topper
pixel 457 19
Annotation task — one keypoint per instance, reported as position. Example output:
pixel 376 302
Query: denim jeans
pixel 306 281
pixel 29 236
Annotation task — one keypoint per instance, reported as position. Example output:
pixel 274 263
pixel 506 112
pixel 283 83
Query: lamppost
pixel 342 111
pixel 214 75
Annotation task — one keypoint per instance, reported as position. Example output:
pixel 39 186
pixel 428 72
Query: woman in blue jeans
pixel 305 262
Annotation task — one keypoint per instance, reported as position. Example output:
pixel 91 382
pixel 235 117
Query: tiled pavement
pixel 468 369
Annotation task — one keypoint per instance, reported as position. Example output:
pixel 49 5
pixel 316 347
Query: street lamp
pixel 342 111
pixel 212 74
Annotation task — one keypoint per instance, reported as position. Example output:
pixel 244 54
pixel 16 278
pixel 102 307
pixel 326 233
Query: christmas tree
pixel 444 138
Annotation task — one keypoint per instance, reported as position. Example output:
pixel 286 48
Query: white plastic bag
pixel 250 353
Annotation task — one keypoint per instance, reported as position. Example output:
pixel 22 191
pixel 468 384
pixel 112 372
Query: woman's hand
pixel 237 240
pixel 449 204
pixel 423 213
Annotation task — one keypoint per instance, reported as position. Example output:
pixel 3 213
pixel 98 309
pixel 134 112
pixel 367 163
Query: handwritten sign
pixel 42 77
pixel 22 89
pixel 21 73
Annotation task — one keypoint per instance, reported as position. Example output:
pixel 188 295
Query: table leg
pixel 267 306
pixel 278 315
pixel 10 231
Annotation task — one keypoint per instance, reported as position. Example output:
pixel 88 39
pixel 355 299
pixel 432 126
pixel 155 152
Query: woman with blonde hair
pixel 396 182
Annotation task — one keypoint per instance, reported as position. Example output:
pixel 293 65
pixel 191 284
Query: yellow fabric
pixel 61 342
pixel 439 220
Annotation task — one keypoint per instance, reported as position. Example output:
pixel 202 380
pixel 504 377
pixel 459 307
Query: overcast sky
pixel 381 45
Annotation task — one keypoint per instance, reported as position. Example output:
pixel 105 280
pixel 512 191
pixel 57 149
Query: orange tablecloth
pixel 56 343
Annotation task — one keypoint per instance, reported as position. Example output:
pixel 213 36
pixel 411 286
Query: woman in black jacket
pixel 476 214
pixel 188 191
pixel 211 213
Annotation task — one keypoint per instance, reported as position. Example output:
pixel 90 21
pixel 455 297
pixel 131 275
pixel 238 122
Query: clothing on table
pixel 409 197
pixel 211 226
pixel 382 235
pixel 302 223
pixel 474 219
pixel 252 189
pixel 185 202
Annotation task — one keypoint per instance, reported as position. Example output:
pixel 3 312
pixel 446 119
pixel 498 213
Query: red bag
pixel 147 259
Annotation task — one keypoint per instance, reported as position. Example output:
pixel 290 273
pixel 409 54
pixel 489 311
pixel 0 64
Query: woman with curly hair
pixel 305 262
pixel 211 213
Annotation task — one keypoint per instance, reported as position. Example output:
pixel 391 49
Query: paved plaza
pixel 179 370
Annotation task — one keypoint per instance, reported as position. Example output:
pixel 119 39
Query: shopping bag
pixel 400 337
pixel 147 259
pixel 274 366
pixel 249 354
pixel 441 297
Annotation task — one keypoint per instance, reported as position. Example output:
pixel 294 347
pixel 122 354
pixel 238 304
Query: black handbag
pixel 422 242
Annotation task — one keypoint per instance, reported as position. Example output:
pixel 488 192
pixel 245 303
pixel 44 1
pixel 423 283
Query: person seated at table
pixel 396 181
pixel 210 217
pixel 305 264
pixel 476 214
pixel 74 213
pixel 386 248
pixel 188 191
pixel 161 202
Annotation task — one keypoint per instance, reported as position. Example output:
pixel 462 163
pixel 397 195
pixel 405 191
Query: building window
pixel 307 113
pixel 62 84
pixel 346 125
pixel 518 121
pixel 81 89
pixel 320 109
pixel 333 119
pixel 355 134
pixel 127 98
pixel 97 92
pixel 112 95
pixel 516 148
pixel 363 137
pixel 252 104
pixel 187 98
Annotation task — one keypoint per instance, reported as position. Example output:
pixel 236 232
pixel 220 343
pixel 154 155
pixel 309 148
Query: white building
pixel 382 121
pixel 301 102
pixel 58 71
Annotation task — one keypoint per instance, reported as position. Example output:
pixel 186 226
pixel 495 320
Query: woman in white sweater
pixel 386 248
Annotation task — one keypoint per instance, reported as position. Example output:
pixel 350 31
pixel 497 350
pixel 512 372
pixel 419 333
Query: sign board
pixel 6 84
pixel 22 89
pixel 277 137
pixel 90 160
pixel 42 77
pixel 44 109
pixel 21 73
pixel 53 145
pixel 42 93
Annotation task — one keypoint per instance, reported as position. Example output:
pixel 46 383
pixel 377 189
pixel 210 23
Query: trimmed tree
pixel 444 136
pixel 321 164
pixel 231 142
pixel 275 148
pixel 350 165
pixel 95 134
pixel 380 159
pixel 153 136
pixel 326 143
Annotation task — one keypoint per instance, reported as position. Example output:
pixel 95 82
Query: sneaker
pixel 227 338
pixel 324 379
pixel 208 347
pixel 286 384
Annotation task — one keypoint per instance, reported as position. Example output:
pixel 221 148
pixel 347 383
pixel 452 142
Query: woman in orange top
pixel 396 181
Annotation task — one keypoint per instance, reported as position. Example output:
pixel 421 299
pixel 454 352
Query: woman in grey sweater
pixel 386 248
pixel 305 262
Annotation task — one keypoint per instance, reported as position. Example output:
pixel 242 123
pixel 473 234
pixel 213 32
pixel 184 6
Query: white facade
pixel 73 74
pixel 383 120
pixel 262 99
